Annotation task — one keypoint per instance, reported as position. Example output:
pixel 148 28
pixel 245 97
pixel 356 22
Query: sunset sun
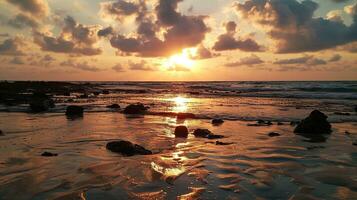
pixel 182 61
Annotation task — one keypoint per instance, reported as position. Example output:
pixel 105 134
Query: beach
pixel 248 163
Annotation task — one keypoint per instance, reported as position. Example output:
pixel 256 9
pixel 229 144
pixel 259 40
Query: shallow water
pixel 254 167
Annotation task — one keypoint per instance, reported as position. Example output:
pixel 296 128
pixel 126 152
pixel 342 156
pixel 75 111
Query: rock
pixel 185 116
pixel 223 143
pixel 315 123
pixel 105 92
pixel 280 123
pixel 48 154
pixel 181 131
pixel 273 134
pixel 114 106
pixel 138 108
pixel 96 93
pixel 293 123
pixel 127 148
pixel 83 96
pixel 355 108
pixel 261 122
pixel 40 102
pixel 74 111
pixel 202 133
pixel 217 121
pixel 205 133
pixel 342 113
pixel 354 143
pixel 1 133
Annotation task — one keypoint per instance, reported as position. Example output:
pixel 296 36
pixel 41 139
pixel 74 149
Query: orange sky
pixel 178 40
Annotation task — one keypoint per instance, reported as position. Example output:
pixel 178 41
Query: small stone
pixel 138 108
pixel 273 134
pixel 105 92
pixel 280 123
pixel 223 143
pixel 1 133
pixel 213 136
pixel 127 148
pixel 74 111
pixel 181 131
pixel 202 133
pixel 48 154
pixel 114 106
pixel 217 121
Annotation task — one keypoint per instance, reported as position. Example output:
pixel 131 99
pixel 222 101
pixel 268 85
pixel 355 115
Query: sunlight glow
pixel 182 61
pixel 180 104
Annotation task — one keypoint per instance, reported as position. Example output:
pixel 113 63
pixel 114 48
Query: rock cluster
pixel 315 123
pixel 127 148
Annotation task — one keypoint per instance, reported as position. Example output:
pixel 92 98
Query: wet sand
pixel 255 166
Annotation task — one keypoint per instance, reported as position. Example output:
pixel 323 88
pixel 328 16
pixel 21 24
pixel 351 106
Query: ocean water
pixel 254 166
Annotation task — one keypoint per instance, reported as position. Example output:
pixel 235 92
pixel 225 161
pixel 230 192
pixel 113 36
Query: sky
pixel 178 40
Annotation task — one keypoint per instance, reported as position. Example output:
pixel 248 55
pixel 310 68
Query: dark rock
pixel 261 123
pixel 83 96
pixel 355 108
pixel 1 133
pixel 293 123
pixel 223 143
pixel 185 116
pixel 202 133
pixel 96 93
pixel 181 131
pixel 67 94
pixel 40 102
pixel 273 134
pixel 217 121
pixel 214 136
pixel 127 148
pixel 48 154
pixel 354 143
pixel 105 92
pixel 315 123
pixel 280 123
pixel 138 108
pixel 342 113
pixel 114 106
pixel 74 111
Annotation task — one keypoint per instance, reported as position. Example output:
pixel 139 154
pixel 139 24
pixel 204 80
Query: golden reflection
pixel 168 173
pixel 180 104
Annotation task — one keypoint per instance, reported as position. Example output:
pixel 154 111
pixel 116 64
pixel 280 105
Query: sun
pixel 181 62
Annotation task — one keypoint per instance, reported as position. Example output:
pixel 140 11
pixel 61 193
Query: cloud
pixel 227 41
pixel 335 58
pixel 118 68
pixel 204 53
pixel 178 31
pixel 120 9
pixel 21 21
pixel 76 39
pixel 140 66
pixel 248 61
pixel 306 59
pixel 80 65
pixel 36 8
pixel 12 46
pixel 292 27
pixel 4 35
pixel 17 61
pixel 105 32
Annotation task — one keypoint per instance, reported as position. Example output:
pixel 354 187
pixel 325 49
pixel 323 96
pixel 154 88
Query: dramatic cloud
pixel 204 53
pixel 121 9
pixel 178 31
pixel 105 32
pixel 36 8
pixel 17 61
pixel 79 65
pixel 227 41
pixel 248 61
pixel 12 47
pixel 74 39
pixel 293 28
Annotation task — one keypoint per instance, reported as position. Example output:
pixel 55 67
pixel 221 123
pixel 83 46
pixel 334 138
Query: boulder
pixel 74 111
pixel 114 106
pixel 217 121
pixel 315 123
pixel 41 102
pixel 138 108
pixel 273 134
pixel 48 154
pixel 181 131
pixel 127 148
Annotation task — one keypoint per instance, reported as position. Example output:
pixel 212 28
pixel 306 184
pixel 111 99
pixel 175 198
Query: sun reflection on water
pixel 180 104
